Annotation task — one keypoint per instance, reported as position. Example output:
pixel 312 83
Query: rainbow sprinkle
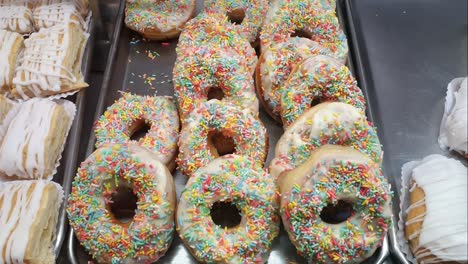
pixel 209 67
pixel 321 24
pixel 318 77
pixel 213 30
pixel 277 62
pixel 246 130
pixel 243 182
pixel 254 10
pixel 149 234
pixel 158 112
pixel 328 181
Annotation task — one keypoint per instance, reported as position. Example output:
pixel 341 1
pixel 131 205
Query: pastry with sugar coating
pixel 35 138
pixel 28 217
pixel 11 45
pixel 51 63
pixel 435 222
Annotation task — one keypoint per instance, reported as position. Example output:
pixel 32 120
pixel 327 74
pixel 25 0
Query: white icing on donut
pixel 322 122
pixel 454 131
pixel 7 42
pixel 16 16
pixel 17 219
pixel 41 67
pixel 23 150
pixel 444 230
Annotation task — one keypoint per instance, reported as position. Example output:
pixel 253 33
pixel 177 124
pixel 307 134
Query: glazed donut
pixel 130 113
pixel 147 237
pixel 305 19
pixel 214 121
pixel 246 15
pixel 275 65
pixel 326 123
pixel 242 182
pixel 318 78
pixel 213 30
pixel 196 76
pixel 158 20
pixel 336 206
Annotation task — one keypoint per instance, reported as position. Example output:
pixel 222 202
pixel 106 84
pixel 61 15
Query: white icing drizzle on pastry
pixel 7 41
pixel 46 16
pixel 444 231
pixel 17 219
pixel 454 130
pixel 16 16
pixel 27 133
pixel 41 66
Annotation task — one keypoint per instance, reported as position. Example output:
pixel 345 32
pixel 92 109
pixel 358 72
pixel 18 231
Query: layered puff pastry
pixel 48 13
pixel 17 16
pixel 28 218
pixel 11 45
pixel 35 137
pixel 51 63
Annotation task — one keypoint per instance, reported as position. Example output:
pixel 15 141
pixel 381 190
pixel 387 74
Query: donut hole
pixel 301 33
pixel 139 129
pixel 337 213
pixel 215 93
pixel 221 143
pixel 316 101
pixel 236 16
pixel 124 204
pixel 225 214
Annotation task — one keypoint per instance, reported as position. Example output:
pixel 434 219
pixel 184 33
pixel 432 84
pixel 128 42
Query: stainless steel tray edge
pixel 73 143
pixel 99 109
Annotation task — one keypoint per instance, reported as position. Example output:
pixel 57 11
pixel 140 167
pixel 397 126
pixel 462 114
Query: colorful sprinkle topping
pixel 241 181
pixel 318 77
pixel 150 232
pixel 254 11
pixel 213 30
pixel 318 24
pixel 209 68
pixel 327 182
pixel 159 16
pixel 158 112
pixel 246 130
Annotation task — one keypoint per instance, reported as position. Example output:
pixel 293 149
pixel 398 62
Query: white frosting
pixel 16 16
pixel 444 230
pixel 48 15
pixel 7 41
pixel 26 134
pixel 453 130
pixel 313 124
pixel 42 62
pixel 16 220
pixel 8 110
pixel 277 64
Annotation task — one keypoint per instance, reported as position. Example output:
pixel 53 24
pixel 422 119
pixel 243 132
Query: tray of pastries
pixel 45 57
pixel 231 132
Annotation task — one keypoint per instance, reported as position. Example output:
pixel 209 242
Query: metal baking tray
pixel 68 166
pixel 146 68
pixel 405 53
